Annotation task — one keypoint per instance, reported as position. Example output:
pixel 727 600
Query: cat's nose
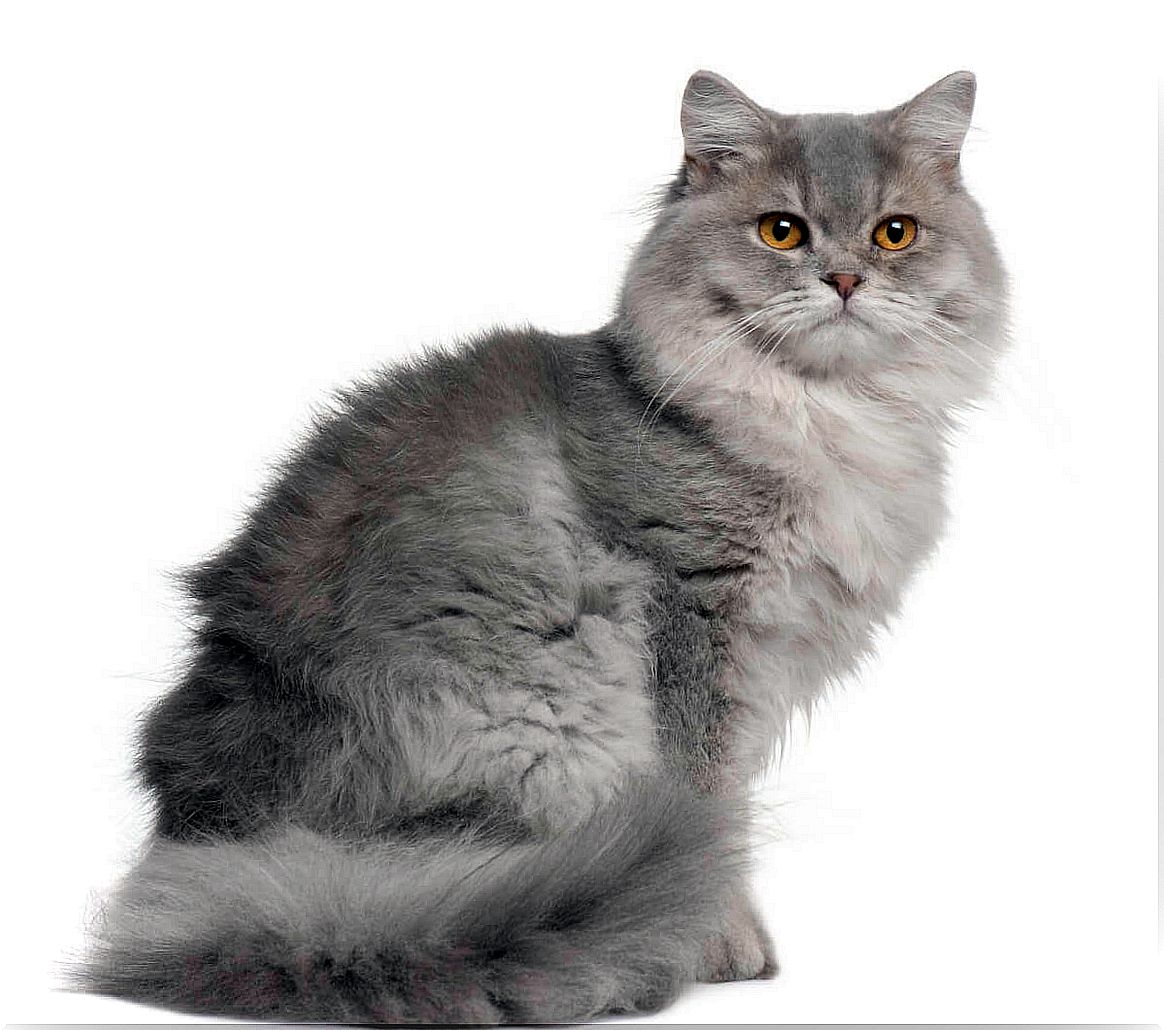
pixel 844 282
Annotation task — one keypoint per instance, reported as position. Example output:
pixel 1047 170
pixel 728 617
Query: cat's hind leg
pixel 547 724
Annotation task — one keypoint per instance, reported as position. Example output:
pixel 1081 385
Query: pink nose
pixel 844 282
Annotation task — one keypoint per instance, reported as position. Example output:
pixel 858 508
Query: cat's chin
pixel 839 344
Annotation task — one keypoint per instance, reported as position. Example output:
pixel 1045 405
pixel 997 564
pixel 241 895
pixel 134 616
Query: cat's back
pixel 385 478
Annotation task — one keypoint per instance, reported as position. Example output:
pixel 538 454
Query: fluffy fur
pixel 477 694
pixel 293 925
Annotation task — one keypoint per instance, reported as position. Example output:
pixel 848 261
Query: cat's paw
pixel 742 950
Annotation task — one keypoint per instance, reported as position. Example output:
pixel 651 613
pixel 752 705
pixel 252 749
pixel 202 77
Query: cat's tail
pixel 609 917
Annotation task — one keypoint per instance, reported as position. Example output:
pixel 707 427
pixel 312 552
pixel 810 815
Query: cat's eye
pixel 895 233
pixel 784 232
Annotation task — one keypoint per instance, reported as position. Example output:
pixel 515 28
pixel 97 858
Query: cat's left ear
pixel 721 125
pixel 936 121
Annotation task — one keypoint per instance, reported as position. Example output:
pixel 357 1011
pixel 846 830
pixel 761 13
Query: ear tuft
pixel 719 121
pixel 937 119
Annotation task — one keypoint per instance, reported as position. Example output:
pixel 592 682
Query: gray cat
pixel 477 694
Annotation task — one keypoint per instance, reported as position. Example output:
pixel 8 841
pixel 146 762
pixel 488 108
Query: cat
pixel 477 694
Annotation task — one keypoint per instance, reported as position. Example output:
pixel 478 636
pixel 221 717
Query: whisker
pixel 781 335
pixel 689 358
pixel 931 331
pixel 712 349
pixel 725 342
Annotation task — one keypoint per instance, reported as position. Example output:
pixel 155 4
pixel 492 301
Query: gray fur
pixel 479 689
pixel 293 925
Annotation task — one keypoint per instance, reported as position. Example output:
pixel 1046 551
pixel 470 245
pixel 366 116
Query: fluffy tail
pixel 610 917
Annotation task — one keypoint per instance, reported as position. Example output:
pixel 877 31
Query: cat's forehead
pixel 837 165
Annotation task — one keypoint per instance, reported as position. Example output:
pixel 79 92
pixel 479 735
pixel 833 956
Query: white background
pixel 212 214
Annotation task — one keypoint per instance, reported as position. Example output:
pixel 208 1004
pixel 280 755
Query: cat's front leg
pixel 742 949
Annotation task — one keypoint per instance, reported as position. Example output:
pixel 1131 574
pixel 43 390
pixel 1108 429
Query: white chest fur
pixel 860 472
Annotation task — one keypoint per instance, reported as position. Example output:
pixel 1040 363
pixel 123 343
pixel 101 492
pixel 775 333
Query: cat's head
pixel 827 245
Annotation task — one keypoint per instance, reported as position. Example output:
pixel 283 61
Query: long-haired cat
pixel 477 694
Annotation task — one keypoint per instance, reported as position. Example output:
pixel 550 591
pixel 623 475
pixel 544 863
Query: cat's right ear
pixel 721 125
pixel 935 122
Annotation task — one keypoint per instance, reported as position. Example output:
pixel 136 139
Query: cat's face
pixel 830 245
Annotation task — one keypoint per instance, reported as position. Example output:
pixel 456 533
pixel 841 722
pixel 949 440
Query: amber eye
pixel 782 231
pixel 895 233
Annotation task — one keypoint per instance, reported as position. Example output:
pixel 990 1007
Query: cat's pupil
pixel 895 232
pixel 781 230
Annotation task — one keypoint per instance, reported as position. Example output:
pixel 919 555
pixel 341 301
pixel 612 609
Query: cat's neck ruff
pixel 861 462
pixel 762 410
pixel 864 454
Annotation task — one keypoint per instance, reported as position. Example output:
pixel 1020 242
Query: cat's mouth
pixel 823 335
pixel 845 313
